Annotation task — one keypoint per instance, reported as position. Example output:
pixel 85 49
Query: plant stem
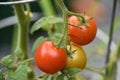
pixel 22 37
pixel 111 59
pixel 61 4
pixel 118 50
pixel 48 10
pixel 65 16
pixel 14 38
pixel 66 13
pixel 78 15
pixel 65 30
pixel 27 60
pixel 111 30
pixel 47 7
pixel 99 71
pixel 64 72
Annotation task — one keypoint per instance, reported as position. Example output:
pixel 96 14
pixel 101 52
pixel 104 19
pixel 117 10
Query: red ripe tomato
pixel 49 58
pixel 82 34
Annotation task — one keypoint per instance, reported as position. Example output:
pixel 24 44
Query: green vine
pixel 22 37
pixel 23 17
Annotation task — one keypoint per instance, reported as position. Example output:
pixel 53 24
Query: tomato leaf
pixel 45 21
pixel 56 37
pixel 71 78
pixel 10 75
pixel 73 71
pixel 21 73
pixel 37 42
pixel 60 77
pixel 6 61
pixel 19 53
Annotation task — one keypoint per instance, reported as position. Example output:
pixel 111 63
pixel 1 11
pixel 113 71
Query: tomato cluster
pixel 51 59
pixel 80 33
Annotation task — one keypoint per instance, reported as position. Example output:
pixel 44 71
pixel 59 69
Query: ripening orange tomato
pixel 78 59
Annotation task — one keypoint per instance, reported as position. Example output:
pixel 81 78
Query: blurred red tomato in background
pixel 93 8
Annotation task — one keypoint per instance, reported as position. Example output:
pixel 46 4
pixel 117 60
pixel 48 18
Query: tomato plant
pixel 81 33
pixel 77 59
pixel 49 58
pixel 59 49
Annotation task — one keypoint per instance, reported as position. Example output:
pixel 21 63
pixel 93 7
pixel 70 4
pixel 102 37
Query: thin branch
pixel 16 2
pixel 97 70
pixel 111 33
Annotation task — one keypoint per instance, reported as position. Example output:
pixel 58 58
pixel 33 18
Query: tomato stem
pixel 28 60
pixel 99 71
pixel 22 35
pixel 23 25
pixel 111 58
pixel 65 73
pixel 78 15
pixel 45 76
pixel 67 13
pixel 22 30
pixel 62 5
pixel 65 30
pixel 47 8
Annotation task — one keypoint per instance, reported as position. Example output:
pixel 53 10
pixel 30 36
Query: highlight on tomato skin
pixel 49 58
pixel 81 34
pixel 78 59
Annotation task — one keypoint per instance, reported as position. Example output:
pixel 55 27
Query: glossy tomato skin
pixel 82 34
pixel 49 58
pixel 78 59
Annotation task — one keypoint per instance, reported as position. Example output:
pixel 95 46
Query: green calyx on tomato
pixel 81 33
pixel 78 59
pixel 49 58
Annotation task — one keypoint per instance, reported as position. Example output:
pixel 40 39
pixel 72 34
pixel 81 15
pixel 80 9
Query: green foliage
pixel 118 51
pixel 60 77
pixel 71 78
pixel 38 42
pixel 116 23
pixel 10 75
pixel 19 74
pixel 1 74
pixel 47 7
pixel 45 23
pixel 19 53
pixel 6 61
pixel 17 66
pixel 73 71
pixel 56 37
